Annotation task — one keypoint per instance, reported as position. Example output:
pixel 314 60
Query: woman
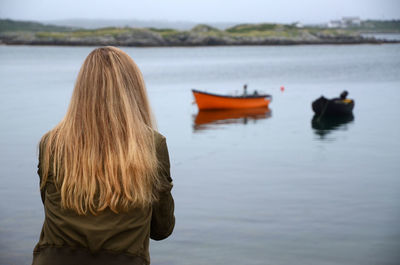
pixel 104 171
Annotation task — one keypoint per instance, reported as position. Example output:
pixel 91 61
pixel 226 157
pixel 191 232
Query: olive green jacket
pixel 105 238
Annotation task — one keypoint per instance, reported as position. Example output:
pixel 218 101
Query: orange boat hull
pixel 212 101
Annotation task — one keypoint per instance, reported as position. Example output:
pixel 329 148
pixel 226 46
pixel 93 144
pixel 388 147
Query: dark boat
pixel 333 107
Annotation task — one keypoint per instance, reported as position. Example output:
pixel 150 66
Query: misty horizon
pixel 200 12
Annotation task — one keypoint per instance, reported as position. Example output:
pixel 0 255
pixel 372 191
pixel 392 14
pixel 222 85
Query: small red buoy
pixel 282 88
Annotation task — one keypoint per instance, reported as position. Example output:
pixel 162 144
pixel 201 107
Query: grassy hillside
pixel 8 25
pixel 283 30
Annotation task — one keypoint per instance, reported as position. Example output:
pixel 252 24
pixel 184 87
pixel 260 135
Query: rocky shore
pixel 201 35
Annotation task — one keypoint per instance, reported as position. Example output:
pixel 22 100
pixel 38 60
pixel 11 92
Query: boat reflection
pixel 325 125
pixel 208 119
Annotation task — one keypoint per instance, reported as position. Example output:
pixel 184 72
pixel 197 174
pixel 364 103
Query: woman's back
pixel 92 228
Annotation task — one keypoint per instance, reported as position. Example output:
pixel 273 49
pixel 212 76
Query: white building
pixel 344 22
pixel 335 24
pixel 298 25
pixel 351 21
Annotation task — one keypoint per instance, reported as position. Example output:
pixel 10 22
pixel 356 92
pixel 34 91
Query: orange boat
pixel 206 100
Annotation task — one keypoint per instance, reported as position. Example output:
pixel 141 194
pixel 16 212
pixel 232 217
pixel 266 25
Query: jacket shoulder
pixel 158 138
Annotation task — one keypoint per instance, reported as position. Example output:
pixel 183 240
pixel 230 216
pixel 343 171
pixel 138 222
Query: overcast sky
pixel 284 11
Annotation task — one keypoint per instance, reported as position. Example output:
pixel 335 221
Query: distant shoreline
pixel 378 42
pixel 266 34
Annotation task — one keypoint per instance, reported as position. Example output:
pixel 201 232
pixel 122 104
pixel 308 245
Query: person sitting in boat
pixel 255 93
pixel 342 96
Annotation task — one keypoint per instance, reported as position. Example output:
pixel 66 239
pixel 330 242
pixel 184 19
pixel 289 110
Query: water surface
pixel 266 188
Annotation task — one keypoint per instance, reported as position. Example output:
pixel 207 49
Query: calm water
pixel 259 188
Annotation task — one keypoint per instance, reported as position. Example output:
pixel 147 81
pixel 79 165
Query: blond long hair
pixel 102 153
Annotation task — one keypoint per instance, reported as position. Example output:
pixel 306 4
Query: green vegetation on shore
pixel 22 32
pixel 8 25
pixel 85 33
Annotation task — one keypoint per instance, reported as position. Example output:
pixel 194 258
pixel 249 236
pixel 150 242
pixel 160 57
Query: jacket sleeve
pixel 163 219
